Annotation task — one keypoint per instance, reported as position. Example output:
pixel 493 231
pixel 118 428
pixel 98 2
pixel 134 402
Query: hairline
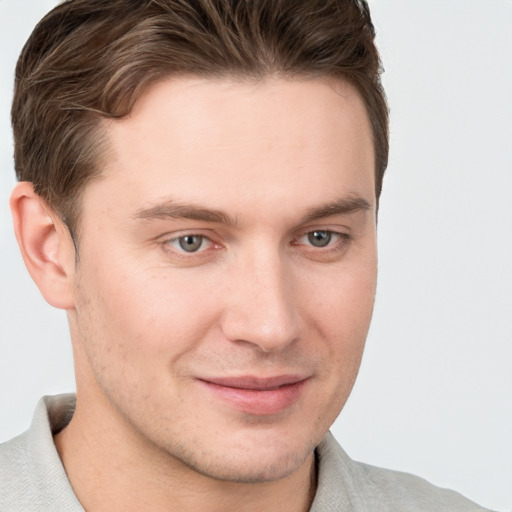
pixel 100 132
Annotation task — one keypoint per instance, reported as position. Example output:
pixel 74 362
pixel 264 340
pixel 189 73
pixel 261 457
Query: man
pixel 199 185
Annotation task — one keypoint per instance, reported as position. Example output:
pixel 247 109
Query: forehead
pixel 230 141
pixel 220 111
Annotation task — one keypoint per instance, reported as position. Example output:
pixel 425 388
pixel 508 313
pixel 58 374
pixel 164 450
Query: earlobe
pixel 45 244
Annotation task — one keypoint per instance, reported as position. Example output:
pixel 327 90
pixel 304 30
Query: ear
pixel 46 245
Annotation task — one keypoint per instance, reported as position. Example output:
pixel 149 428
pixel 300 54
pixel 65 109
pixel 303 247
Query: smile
pixel 258 396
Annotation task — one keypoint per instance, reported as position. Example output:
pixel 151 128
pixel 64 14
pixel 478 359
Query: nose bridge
pixel 262 308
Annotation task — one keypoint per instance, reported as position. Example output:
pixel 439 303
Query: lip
pixel 256 395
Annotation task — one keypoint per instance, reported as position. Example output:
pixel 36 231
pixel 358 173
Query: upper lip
pixel 251 382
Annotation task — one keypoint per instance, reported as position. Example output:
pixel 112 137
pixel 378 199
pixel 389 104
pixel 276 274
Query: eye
pixel 330 241
pixel 190 243
pixel 319 238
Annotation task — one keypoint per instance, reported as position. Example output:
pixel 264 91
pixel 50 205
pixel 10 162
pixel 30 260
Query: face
pixel 226 271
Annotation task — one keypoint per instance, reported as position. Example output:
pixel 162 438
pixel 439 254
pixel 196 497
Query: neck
pixel 111 469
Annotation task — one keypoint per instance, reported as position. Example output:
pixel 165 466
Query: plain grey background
pixel 434 395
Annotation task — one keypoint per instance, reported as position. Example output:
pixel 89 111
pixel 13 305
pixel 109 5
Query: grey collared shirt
pixel 32 477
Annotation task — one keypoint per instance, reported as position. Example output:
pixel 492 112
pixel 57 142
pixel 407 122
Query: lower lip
pixel 258 402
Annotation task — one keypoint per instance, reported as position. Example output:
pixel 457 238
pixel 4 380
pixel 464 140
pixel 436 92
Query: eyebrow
pixel 342 206
pixel 174 210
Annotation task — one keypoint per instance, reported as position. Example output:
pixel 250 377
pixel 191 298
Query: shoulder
pixel 18 478
pixel 410 492
pixel 361 487
pixel 33 478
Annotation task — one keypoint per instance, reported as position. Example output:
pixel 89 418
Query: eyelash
pixel 337 242
pixel 181 251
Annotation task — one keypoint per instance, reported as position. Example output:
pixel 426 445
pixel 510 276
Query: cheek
pixel 144 317
pixel 340 307
pixel 342 314
pixel 342 300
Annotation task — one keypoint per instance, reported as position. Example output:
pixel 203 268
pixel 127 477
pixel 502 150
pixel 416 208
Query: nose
pixel 261 309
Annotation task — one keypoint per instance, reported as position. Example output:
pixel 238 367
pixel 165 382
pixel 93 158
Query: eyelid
pixel 206 243
pixel 340 239
pixel 339 229
pixel 166 240
pixel 337 235
pixel 174 235
pixel 335 249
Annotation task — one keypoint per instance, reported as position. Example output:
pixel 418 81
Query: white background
pixel 434 395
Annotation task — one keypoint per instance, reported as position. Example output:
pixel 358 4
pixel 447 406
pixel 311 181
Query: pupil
pixel 191 243
pixel 319 238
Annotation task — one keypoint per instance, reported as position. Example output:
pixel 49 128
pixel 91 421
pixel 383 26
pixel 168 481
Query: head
pixel 89 60
pixel 218 165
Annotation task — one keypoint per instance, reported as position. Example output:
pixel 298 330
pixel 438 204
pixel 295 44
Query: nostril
pixel 259 327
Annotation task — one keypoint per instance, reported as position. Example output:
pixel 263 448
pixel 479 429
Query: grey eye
pixel 319 238
pixel 191 243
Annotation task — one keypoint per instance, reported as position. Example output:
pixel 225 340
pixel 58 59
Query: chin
pixel 241 463
pixel 256 470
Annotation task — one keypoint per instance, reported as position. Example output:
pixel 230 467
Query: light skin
pixel 222 293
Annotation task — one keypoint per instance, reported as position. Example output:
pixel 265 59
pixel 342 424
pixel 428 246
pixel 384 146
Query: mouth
pixel 255 395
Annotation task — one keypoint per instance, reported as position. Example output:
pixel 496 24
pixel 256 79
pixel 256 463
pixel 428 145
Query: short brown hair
pixel 91 59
